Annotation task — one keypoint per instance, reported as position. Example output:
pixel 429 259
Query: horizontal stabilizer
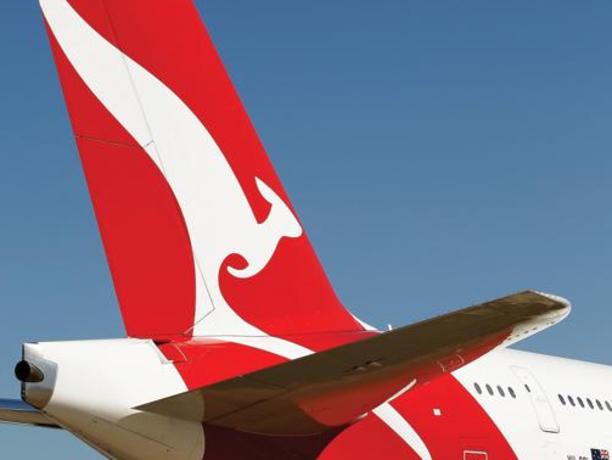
pixel 337 386
pixel 18 412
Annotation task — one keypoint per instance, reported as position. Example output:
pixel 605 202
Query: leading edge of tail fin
pixel 198 231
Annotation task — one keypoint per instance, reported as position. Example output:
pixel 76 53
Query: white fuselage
pixel 544 407
pixel 566 412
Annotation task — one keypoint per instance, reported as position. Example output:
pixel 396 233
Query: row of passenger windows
pixel 586 402
pixel 499 388
pixel 574 402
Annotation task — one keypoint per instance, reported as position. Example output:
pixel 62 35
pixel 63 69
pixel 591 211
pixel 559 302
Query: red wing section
pixel 199 233
pixel 335 387
pixel 444 436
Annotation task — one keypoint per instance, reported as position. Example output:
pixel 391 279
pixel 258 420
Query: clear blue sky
pixel 439 154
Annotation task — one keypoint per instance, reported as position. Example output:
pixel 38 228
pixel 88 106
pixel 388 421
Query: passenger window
pixel 579 399
pixel 478 389
pixel 609 406
pixel 598 402
pixel 489 389
pixel 562 399
pixel 512 393
pixel 590 403
pixel 571 400
pixel 501 391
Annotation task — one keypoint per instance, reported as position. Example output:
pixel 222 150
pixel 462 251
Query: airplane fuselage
pixel 506 405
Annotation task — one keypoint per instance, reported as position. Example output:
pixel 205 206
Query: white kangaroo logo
pixel 218 215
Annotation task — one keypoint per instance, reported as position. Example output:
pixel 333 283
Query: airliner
pixel 236 345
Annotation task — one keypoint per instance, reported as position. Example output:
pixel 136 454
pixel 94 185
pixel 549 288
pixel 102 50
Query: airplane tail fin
pixel 199 233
